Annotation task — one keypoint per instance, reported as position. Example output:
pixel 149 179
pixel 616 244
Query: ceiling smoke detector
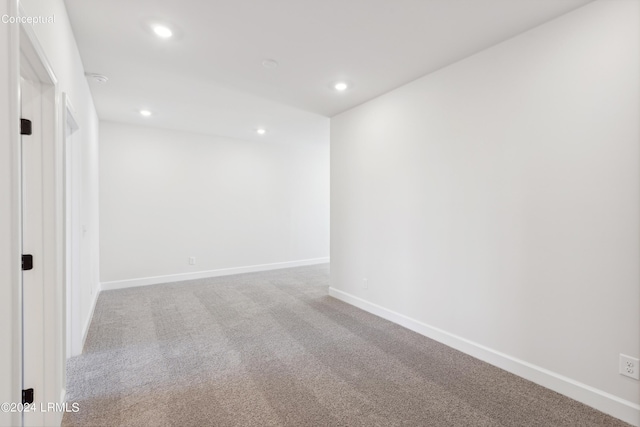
pixel 98 78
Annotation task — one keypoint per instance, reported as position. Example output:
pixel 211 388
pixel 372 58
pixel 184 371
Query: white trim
pixel 598 399
pixel 87 324
pixel 71 230
pixel 144 281
pixel 69 114
pixel 10 218
pixel 34 51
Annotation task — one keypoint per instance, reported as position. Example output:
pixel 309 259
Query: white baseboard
pixel 87 324
pixel 591 396
pixel 129 283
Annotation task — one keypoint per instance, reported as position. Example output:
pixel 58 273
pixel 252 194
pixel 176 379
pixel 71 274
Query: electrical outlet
pixel 192 260
pixel 365 283
pixel 629 366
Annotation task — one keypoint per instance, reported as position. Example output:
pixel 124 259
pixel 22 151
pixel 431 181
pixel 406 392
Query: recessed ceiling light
pixel 340 86
pixel 261 131
pixel 270 63
pixel 162 31
pixel 145 113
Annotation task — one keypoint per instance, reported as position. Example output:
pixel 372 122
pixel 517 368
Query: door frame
pixel 47 246
pixel 71 303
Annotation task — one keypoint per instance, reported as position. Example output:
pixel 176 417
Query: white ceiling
pixel 209 77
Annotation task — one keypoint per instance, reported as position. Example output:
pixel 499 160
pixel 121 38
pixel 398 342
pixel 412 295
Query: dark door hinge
pixel 25 127
pixel 27 396
pixel 27 262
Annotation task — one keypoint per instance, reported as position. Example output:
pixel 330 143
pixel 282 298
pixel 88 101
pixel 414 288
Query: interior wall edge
pixel 87 324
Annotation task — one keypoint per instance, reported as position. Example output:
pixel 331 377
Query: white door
pixel 42 237
pixel 32 231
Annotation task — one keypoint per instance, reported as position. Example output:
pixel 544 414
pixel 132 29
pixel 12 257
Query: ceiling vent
pixel 98 78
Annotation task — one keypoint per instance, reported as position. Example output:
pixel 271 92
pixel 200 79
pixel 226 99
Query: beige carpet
pixel 272 349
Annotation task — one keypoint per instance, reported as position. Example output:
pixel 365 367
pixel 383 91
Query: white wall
pixel 498 200
pixel 169 195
